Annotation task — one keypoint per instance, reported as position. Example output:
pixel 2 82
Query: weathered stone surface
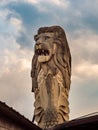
pixel 51 76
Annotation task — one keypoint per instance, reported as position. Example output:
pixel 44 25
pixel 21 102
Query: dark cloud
pixel 84 14
pixel 76 17
pixel 27 12
pixel 25 40
pixel 90 21
pixel 31 19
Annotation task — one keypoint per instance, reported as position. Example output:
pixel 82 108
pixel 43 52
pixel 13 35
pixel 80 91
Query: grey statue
pixel 51 77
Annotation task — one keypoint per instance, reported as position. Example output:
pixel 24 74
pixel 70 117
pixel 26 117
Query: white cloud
pixel 10 26
pixel 15 58
pixel 61 3
pixel 16 25
pixel 4 13
pixel 84 50
pixel 86 70
pixel 50 5
pixel 83 92
pixel 5 2
pixel 84 46
pixel 15 21
pixel 32 1
pixel 15 80
pixel 15 65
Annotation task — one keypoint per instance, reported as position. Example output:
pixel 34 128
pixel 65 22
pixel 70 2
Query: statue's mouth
pixel 42 52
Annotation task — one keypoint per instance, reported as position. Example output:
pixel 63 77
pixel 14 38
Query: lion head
pixel 44 46
pixel 51 44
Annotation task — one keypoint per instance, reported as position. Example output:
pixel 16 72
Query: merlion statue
pixel 51 77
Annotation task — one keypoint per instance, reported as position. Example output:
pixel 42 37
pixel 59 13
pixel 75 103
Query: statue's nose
pixel 38 43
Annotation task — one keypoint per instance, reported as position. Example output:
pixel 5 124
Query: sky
pixel 19 22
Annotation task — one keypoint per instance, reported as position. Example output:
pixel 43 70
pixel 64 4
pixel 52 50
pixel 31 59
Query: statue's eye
pixel 47 37
pixel 36 37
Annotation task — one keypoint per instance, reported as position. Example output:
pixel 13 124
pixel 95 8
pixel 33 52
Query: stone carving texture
pixel 51 76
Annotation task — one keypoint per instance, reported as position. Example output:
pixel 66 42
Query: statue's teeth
pixel 39 46
pixel 38 51
pixel 42 52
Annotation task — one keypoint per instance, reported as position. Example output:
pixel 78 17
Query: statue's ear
pixel 54 48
